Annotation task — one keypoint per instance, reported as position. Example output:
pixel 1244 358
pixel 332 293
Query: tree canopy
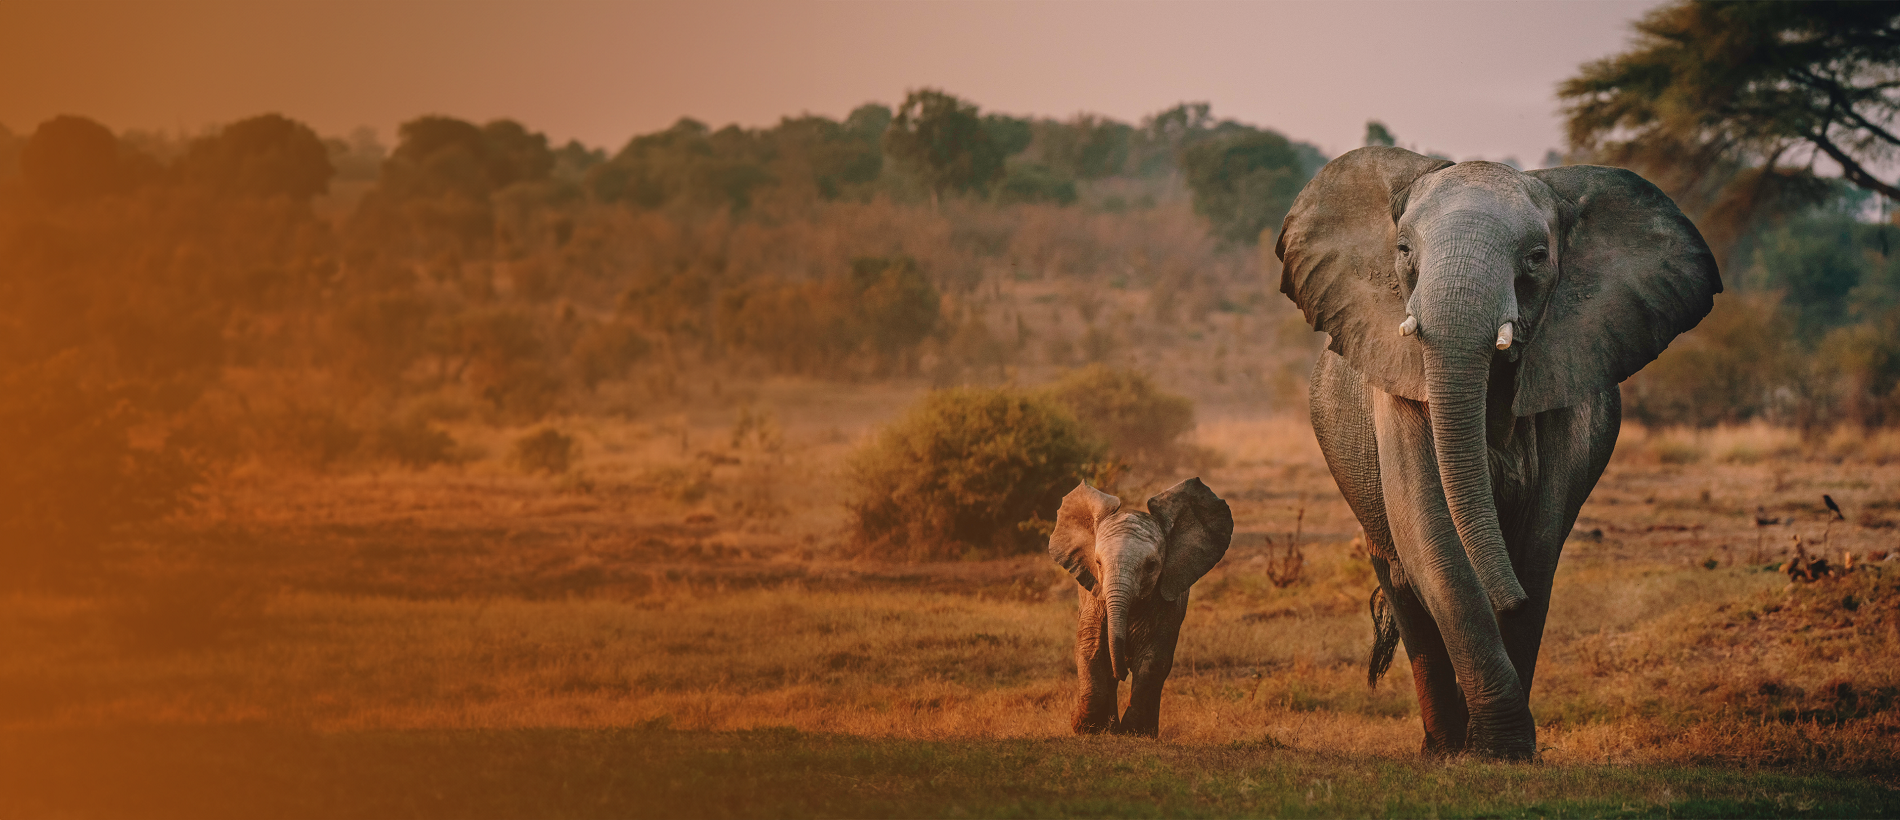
pixel 1731 105
pixel 268 155
pixel 70 159
pixel 1245 179
pixel 945 140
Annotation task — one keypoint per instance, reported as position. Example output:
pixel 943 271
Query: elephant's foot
pixel 1139 725
pixel 1444 727
pixel 1086 724
pixel 1438 746
pixel 1512 738
pixel 1503 749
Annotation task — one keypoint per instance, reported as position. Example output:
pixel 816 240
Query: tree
pixel 268 155
pixel 687 163
pixel 1087 146
pixel 437 156
pixel 1377 134
pixel 71 159
pixel 897 303
pixel 834 156
pixel 943 138
pixel 515 154
pixel 1035 182
pixel 1011 135
pixel 1163 135
pixel 1728 105
pixel 1243 181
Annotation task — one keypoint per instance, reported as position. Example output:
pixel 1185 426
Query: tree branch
pixel 1851 169
pixel 1838 99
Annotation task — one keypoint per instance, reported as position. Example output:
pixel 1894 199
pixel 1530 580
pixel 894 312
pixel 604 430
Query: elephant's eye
pixel 1405 247
pixel 1537 257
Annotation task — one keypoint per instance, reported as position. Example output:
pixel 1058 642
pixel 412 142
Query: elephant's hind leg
pixel 1095 699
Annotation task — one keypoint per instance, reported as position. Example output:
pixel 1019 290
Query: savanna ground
pixel 674 627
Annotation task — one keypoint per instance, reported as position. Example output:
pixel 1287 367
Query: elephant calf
pixel 1135 569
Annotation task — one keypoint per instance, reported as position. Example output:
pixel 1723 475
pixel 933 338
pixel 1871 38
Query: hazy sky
pixel 1467 79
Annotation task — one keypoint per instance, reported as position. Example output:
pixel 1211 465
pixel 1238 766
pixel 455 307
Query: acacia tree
pixel 1729 105
pixel 945 140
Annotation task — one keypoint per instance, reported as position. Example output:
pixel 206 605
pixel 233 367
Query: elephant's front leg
pixel 1156 629
pixel 1095 697
pixel 1573 446
pixel 1446 582
pixel 1441 706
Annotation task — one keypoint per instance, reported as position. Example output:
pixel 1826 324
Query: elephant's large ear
pixel 1072 543
pixel 1196 526
pixel 1632 273
pixel 1337 245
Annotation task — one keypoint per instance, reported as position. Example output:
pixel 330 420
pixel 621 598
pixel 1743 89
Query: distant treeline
pixel 260 292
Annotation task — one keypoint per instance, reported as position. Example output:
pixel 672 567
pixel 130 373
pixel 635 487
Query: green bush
pixel 960 472
pixel 1137 420
pixel 1035 182
pixel 547 450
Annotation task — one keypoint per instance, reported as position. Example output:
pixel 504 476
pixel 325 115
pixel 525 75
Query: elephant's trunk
pixel 1119 593
pixel 1463 296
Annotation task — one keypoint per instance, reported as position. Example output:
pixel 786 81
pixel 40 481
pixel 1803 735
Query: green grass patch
pixel 209 772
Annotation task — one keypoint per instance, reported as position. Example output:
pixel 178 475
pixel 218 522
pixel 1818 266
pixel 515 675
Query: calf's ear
pixel 1072 543
pixel 1196 527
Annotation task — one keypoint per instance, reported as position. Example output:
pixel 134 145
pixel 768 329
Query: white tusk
pixel 1409 326
pixel 1504 336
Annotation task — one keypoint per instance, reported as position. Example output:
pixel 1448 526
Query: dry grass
pixel 475 597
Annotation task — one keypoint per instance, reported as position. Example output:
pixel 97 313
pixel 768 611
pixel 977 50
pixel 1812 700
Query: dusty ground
pixel 677 581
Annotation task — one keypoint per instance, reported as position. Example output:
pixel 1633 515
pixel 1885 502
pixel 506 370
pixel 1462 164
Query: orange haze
pixel 1468 79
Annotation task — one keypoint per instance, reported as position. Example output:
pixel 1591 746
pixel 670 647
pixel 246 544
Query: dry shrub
pixel 1850 442
pixel 1675 447
pixel 1137 420
pixel 959 473
pixel 1754 442
pixel 1676 451
pixel 545 451
pixel 413 443
pixel 683 483
pixel 1286 565
pixel 73 475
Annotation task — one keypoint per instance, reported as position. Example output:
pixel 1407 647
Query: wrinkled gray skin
pixel 1134 569
pixel 1466 450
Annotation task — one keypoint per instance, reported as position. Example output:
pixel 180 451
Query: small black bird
pixel 1829 501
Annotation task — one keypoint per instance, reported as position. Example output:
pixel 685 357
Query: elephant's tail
pixel 1385 636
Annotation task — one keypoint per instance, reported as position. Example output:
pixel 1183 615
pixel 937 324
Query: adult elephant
pixel 1481 319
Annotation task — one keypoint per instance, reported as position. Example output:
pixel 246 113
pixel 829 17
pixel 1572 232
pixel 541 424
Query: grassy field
pixel 649 772
pixel 675 629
